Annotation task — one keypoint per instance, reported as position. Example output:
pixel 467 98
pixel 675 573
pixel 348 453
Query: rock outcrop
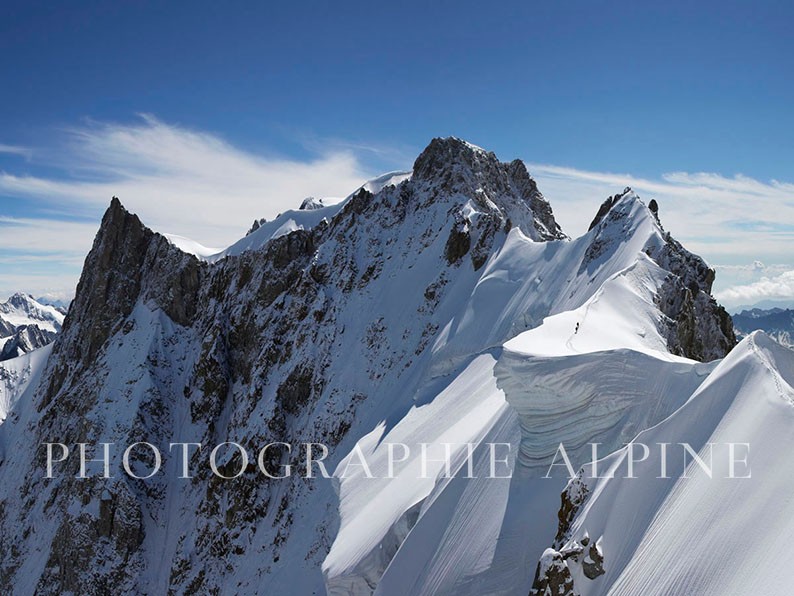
pixel 695 325
pixel 25 338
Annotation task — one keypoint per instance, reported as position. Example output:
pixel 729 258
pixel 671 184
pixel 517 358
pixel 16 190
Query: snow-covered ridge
pixel 311 212
pixel 698 531
pixel 448 306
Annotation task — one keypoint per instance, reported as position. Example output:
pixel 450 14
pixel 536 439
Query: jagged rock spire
pixel 453 166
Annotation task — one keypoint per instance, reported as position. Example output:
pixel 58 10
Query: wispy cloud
pixel 196 184
pixel 181 181
pixel 730 221
pixel 44 236
pixel 178 180
pixel 780 287
pixel 694 205
pixel 16 150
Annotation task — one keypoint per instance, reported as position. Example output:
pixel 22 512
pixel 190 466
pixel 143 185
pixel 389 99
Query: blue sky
pixel 194 114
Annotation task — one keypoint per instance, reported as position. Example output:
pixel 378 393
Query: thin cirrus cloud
pixel 779 287
pixel 16 150
pixel 195 184
pixel 180 181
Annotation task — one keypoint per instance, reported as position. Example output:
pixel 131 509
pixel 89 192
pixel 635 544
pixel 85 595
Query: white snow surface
pixel 694 533
pixel 17 375
pixel 21 309
pixel 581 361
pixel 604 383
pixel 191 246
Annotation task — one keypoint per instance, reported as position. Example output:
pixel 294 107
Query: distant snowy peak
pixel 25 339
pixel 26 324
pixel 778 323
pixel 22 309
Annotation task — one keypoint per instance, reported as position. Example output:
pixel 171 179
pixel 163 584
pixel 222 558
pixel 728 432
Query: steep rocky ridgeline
pixel 696 326
pixel 320 335
pixel 290 343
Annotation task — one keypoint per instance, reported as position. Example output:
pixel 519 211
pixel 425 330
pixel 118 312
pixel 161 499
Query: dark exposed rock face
pixel 459 241
pixel 592 560
pixel 25 339
pixel 128 262
pixel 695 325
pixel 455 166
pixel 571 501
pixel 255 226
pixel 605 208
pixel 6 329
pixel 553 573
pixel 253 348
pixel 552 576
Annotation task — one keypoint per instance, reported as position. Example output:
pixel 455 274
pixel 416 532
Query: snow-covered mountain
pixel 27 324
pixel 441 306
pixel 777 323
pixel 711 529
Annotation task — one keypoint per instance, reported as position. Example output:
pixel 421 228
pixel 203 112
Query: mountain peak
pixel 627 198
pixel 444 154
pixel 452 166
pixel 20 300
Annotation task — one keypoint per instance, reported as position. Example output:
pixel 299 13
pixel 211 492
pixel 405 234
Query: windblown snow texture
pixel 444 305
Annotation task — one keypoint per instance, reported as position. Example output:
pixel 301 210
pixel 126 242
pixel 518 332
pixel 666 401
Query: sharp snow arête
pixel 442 305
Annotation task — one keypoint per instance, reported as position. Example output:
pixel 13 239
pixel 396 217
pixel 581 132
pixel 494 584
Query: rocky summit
pixel 440 305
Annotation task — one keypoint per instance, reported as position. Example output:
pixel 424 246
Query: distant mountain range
pixel 27 324
pixel 778 323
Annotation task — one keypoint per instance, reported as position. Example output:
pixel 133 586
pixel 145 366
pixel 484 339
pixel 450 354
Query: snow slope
pixel 430 308
pixel 19 374
pixel 694 533
pixel 549 384
pixel 191 246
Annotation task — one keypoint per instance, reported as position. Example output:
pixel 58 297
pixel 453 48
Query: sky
pixel 202 116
